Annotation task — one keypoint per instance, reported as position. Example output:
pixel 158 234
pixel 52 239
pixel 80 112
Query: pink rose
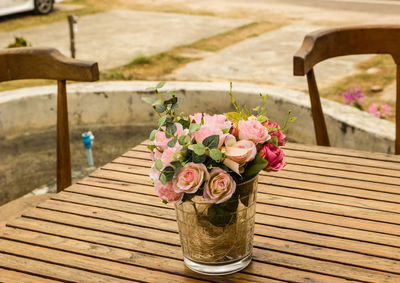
pixel 154 173
pixel 161 140
pixel 274 155
pixel 217 120
pixel 253 130
pixel 241 152
pixel 166 192
pixel 155 154
pixel 190 178
pixel 196 118
pixel 273 130
pixel 220 186
pixel 206 131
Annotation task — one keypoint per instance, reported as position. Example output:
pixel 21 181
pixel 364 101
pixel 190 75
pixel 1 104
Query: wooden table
pixel 332 215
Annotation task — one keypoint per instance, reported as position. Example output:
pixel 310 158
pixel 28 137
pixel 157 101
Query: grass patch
pixel 143 68
pixel 364 81
pixel 225 39
pixel 154 67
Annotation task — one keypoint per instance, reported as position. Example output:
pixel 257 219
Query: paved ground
pixel 266 59
pixel 116 37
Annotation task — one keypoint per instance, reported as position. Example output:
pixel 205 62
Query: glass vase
pixel 218 239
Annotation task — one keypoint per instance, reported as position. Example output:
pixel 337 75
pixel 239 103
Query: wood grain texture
pixel 63 143
pixel 44 63
pixel 316 221
pixel 351 40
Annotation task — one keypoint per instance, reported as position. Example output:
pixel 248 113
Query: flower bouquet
pixel 207 165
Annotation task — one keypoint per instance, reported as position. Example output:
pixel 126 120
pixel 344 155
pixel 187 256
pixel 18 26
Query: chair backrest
pixel 48 63
pixel 332 42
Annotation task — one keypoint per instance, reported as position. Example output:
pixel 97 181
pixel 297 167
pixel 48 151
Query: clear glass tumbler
pixel 218 239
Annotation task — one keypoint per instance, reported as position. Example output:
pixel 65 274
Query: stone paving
pixel 266 59
pixel 116 37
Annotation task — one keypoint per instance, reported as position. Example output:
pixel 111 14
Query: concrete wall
pixel 119 119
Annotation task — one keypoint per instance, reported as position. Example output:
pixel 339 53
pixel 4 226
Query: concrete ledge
pixel 26 111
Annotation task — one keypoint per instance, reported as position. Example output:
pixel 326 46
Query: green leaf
pixel 185 123
pixel 187 197
pixel 160 108
pixel 198 158
pixel 215 154
pixel 147 100
pixel 178 166
pixel 160 85
pixel 162 120
pixel 254 167
pixel 158 164
pixel 153 135
pixel 165 202
pixel 183 140
pixel 150 88
pixel 225 131
pixel 222 214
pixel 174 106
pixel 274 140
pixel 171 101
pixel 172 142
pixel 234 116
pixel 157 102
pixel 168 172
pixel 171 128
pixel 163 179
pixel 194 128
pixel 151 147
pixel 292 119
pixel 211 141
pixel 199 149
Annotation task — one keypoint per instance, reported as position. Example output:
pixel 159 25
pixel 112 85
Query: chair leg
pixel 397 139
pixel 63 143
pixel 321 132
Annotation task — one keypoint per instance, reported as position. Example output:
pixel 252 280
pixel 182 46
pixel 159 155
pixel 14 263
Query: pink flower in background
pixel 273 130
pixel 220 186
pixel 380 110
pixel 217 120
pixel 166 192
pixel 253 130
pixel 161 140
pixel 206 131
pixel 354 97
pixel 190 178
pixel 196 118
pixel 274 155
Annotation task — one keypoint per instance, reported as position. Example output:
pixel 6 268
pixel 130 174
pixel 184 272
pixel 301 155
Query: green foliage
pixel 215 154
pixel 254 167
pixel 141 60
pixel 211 142
pixel 222 214
pixel 199 149
pixel 19 41
pixel 158 164
pixel 153 135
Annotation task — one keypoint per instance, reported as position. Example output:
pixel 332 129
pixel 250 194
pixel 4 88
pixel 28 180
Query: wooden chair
pixel 48 63
pixel 332 42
